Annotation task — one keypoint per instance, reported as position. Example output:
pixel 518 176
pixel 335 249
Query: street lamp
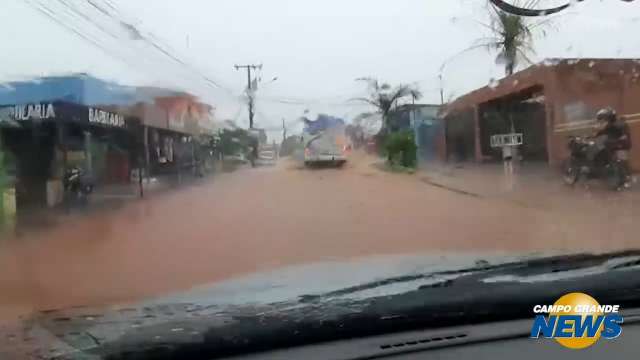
pixel 441 72
pixel 445 63
pixel 271 81
pixel 441 84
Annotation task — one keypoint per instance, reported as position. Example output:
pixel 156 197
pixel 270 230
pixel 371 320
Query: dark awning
pixel 60 111
pixel 6 120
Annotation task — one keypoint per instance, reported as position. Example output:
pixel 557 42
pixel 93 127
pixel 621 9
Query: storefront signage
pixel 60 112
pixel 33 111
pixel 176 123
pixel 502 140
pixel 105 118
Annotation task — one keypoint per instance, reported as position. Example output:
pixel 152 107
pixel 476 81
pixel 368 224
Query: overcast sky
pixel 315 48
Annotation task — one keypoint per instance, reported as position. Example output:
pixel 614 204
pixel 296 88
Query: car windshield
pixel 172 171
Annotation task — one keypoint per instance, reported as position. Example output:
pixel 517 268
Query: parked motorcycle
pixel 77 186
pixel 590 158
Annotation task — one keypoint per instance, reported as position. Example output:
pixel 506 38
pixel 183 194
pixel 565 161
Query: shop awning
pixel 60 111
pixel 6 119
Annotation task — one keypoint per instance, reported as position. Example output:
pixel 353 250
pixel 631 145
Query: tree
pixel 4 180
pixel 234 141
pixel 512 37
pixel 385 98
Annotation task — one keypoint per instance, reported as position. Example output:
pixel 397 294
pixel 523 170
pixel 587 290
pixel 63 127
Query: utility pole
pixel 284 130
pixel 441 90
pixel 249 89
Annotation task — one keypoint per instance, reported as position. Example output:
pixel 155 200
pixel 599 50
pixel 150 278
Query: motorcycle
pixel 252 155
pixel 77 186
pixel 592 159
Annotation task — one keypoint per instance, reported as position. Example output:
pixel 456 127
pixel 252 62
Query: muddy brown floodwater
pixel 257 219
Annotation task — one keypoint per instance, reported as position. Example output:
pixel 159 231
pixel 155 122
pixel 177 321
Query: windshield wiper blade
pixel 466 299
pixel 551 264
pixel 517 10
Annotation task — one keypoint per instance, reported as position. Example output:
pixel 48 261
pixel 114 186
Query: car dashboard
pixel 499 340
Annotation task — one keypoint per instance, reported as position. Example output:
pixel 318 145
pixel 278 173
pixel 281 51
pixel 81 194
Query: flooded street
pixel 207 180
pixel 253 220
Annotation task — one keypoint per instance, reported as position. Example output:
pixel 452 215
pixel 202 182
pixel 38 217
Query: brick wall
pixel 574 95
pixel 574 90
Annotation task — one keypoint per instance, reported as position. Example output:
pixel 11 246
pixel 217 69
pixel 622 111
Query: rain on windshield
pixel 150 149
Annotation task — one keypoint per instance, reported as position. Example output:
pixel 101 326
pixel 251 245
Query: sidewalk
pixel 150 186
pixel 103 198
pixel 533 185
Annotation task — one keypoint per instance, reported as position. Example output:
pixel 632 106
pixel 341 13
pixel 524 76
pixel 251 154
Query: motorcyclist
pixel 616 135
pixel 253 150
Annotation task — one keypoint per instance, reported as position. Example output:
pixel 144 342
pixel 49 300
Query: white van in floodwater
pixel 325 141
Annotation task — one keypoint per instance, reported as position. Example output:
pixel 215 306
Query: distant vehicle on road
pixel 325 141
pixel 238 158
pixel 267 155
pixel 371 146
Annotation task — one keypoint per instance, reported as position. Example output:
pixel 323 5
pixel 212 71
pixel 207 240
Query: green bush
pixel 3 185
pixel 3 172
pixel 380 141
pixel 235 141
pixel 400 148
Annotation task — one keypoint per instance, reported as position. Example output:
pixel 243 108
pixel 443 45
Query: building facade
pixel 46 138
pixel 174 131
pixel 111 131
pixel 546 102
pixel 428 129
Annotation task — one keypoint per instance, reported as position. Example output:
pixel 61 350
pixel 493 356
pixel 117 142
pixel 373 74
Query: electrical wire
pixel 80 31
pixel 309 101
pixel 74 15
pixel 78 20
pixel 149 66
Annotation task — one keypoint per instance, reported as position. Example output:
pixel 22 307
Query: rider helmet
pixel 606 114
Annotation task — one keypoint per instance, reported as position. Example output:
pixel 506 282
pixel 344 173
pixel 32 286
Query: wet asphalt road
pixel 258 219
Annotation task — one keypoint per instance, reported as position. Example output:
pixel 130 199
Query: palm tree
pixel 385 98
pixel 512 36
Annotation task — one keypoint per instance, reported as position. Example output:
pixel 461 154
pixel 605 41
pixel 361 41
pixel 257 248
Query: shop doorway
pixel 31 149
pixel 522 113
pixel 460 136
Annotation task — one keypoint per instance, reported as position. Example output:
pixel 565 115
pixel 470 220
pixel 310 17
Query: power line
pixel 44 10
pixel 166 50
pixel 112 53
pixel 108 12
pixel 153 40
pixel 287 124
pixel 84 17
pixel 250 90
pixel 78 30
pixel 307 102
pixel 72 17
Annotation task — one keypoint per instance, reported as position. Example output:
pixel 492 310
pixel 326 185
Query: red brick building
pixel 546 102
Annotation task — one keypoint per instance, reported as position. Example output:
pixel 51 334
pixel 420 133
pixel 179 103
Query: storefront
pixel 545 104
pixel 44 139
pixel 176 136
